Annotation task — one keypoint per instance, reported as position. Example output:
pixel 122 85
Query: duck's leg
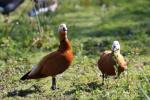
pixel 6 21
pixel 54 83
pixel 103 78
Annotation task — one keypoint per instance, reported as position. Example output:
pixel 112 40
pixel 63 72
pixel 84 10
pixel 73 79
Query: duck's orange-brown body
pixel 108 61
pixel 54 63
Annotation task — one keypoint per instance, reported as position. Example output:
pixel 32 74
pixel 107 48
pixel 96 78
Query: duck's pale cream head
pixel 115 46
pixel 62 28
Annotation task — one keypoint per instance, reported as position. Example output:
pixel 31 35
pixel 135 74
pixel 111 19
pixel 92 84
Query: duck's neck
pixel 64 44
pixel 116 53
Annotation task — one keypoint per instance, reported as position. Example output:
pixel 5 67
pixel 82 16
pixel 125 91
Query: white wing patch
pixel 34 70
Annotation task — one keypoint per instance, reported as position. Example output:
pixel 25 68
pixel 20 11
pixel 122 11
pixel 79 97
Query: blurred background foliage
pixel 93 26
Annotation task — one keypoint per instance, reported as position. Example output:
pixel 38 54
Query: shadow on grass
pixel 84 87
pixel 23 93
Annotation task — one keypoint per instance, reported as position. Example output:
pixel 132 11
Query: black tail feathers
pixel 25 76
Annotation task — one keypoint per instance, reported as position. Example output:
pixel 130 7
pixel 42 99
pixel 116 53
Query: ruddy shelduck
pixel 111 62
pixel 54 63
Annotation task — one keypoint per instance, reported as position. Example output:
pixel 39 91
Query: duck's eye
pixel 64 29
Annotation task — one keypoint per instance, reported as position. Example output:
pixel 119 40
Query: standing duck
pixel 43 6
pixel 7 6
pixel 111 62
pixel 54 63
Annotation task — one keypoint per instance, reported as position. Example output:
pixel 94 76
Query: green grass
pixel 93 26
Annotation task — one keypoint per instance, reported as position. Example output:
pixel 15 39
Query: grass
pixel 93 26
